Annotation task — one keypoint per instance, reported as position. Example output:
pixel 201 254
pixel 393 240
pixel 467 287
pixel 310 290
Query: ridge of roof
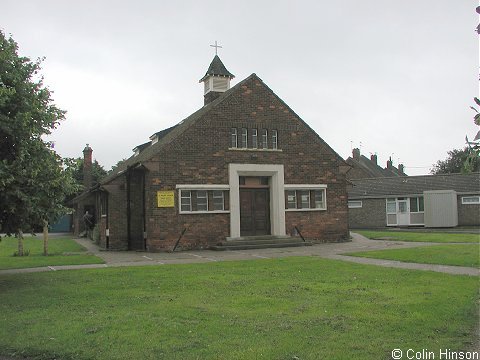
pixel 217 68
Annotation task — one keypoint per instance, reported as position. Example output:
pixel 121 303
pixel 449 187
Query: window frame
pixel 351 206
pixel 264 139
pixel 222 192
pixel 417 201
pixel 312 189
pixel 189 197
pixel 477 197
pixel 254 139
pixel 274 140
pixel 193 189
pixel 234 135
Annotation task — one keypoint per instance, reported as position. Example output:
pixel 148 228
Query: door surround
pixel 277 195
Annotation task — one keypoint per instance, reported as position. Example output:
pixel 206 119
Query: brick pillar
pixel 87 167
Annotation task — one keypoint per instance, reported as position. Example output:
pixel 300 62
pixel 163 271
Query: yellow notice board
pixel 166 199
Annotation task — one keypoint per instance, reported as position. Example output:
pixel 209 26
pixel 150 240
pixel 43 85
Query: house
pixel 429 201
pixel 243 166
pixel 363 167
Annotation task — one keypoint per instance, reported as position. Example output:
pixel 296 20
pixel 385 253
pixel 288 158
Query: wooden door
pixel 254 212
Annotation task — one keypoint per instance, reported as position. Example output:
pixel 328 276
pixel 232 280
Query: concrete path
pixel 329 251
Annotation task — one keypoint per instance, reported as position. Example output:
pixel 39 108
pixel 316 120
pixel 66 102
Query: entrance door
pixel 403 215
pixel 254 212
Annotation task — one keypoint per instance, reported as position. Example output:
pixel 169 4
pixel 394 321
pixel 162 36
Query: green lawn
pixel 420 236
pixel 305 308
pixel 62 251
pixel 452 254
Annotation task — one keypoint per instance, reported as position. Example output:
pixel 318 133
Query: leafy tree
pixel 33 181
pixel 473 146
pixel 75 166
pixel 454 163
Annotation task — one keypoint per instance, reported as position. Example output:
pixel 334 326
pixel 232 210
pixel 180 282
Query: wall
pixel 468 215
pixel 372 214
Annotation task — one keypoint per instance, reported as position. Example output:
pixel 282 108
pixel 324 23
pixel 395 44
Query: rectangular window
pixel 234 140
pixel 274 139
pixel 186 200
pixel 291 199
pixel 254 139
pixel 218 200
pixel 355 204
pixel 202 200
pixel 244 138
pixel 264 139
pixel 391 206
pixel 416 204
pixel 306 199
pixel 470 200
pixel 319 199
pixel 304 196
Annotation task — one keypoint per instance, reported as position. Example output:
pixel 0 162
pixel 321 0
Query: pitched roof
pixel 369 167
pixel 218 69
pixel 414 185
pixel 168 135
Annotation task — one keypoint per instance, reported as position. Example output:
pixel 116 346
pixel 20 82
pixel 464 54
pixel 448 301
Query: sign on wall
pixel 166 199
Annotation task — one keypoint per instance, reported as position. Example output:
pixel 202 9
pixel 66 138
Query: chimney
pixel 373 158
pixel 356 153
pixel 389 163
pixel 401 168
pixel 87 167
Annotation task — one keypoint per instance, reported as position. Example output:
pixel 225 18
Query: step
pixel 260 242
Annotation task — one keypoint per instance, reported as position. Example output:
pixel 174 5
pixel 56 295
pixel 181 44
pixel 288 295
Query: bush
pixel 96 234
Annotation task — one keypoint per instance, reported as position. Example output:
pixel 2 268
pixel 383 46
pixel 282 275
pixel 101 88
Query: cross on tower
pixel 216 47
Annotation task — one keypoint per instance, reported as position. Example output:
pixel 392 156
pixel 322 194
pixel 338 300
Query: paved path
pixel 330 251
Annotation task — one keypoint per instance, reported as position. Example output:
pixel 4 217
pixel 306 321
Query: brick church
pixel 244 166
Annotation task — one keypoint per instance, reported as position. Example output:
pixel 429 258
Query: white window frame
pixel 274 139
pixel 308 187
pixel 222 193
pixel 264 139
pixel 295 198
pixel 201 187
pixel 181 196
pixel 244 139
pixel 392 200
pixel 203 198
pixel 234 135
pixel 417 198
pixel 355 204
pixel 475 198
pixel 254 138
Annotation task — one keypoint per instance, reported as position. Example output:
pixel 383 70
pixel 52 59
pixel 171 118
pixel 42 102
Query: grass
pixel 62 251
pixel 451 254
pixel 420 236
pixel 306 308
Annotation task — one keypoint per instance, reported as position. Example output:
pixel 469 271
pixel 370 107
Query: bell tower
pixel 216 80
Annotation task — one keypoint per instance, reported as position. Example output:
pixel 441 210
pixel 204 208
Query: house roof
pixel 160 134
pixel 413 185
pixel 217 68
pixel 369 167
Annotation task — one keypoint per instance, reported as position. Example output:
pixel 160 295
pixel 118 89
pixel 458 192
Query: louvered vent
pixel 220 84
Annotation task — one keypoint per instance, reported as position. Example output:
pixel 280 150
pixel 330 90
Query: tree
pixel 33 181
pixel 75 166
pixel 474 145
pixel 454 163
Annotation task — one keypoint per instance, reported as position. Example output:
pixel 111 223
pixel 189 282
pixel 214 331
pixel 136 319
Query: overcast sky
pixel 397 77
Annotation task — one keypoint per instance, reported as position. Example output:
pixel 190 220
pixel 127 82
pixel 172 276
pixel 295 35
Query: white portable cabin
pixel 440 208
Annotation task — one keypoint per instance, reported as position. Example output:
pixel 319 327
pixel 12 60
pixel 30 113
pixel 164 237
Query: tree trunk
pixel 20 242
pixel 45 238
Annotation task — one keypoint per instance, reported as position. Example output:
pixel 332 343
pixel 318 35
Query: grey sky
pixel 397 76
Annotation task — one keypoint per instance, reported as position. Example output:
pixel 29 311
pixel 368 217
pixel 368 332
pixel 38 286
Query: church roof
pixel 217 68
pixel 174 132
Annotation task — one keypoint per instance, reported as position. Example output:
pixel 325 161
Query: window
pixel 416 204
pixel 218 200
pixel 291 199
pixel 391 206
pixel 244 143
pixel 202 200
pixel 186 200
pixel 274 140
pixel 264 139
pixel 305 199
pixel 254 139
pixel 319 201
pixel 355 204
pixel 103 204
pixel 470 200
pixel 234 141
